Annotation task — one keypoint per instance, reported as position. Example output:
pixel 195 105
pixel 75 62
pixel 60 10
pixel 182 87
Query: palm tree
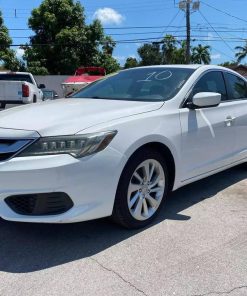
pixel 168 49
pixel 201 54
pixel 242 52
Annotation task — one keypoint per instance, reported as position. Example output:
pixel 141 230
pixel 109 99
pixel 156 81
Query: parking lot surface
pixel 197 246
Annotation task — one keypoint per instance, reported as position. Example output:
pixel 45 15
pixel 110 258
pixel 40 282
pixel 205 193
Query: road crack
pixel 118 275
pixel 223 292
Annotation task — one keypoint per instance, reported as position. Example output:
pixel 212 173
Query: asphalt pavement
pixel 197 246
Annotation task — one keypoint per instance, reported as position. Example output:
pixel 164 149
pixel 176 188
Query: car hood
pixel 69 116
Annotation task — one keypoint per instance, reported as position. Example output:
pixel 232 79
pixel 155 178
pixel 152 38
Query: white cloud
pixel 216 56
pixel 19 53
pixel 108 16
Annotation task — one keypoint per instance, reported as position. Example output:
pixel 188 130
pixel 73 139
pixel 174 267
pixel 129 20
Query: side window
pixel 237 87
pixel 211 82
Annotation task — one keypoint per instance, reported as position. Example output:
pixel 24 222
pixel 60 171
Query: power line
pixel 176 36
pixel 224 12
pixel 216 32
pixel 195 27
pixel 219 51
pixel 141 40
pixel 171 21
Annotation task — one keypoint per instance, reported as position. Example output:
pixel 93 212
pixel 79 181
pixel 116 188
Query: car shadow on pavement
pixel 28 247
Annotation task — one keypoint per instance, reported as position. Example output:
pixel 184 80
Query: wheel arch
pixel 164 148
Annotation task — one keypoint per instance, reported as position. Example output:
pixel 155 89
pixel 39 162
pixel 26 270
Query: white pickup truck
pixel 19 88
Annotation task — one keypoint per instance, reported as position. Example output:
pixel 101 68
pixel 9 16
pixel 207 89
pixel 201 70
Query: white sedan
pixel 121 144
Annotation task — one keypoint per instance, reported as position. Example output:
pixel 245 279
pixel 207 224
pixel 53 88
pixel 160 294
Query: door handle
pixel 229 119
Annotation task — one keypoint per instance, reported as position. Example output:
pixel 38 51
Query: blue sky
pixel 209 26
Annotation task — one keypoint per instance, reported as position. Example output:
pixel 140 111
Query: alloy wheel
pixel 146 189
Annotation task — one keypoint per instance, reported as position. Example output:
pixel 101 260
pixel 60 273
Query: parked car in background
pixel 49 94
pixel 19 88
pixel 118 146
pixel 83 77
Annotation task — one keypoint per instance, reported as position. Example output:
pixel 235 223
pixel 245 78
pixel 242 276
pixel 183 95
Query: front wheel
pixel 142 189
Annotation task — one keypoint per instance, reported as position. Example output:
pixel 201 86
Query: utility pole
pixel 188 6
pixel 188 32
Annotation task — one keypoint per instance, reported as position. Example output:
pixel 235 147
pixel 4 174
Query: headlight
pixel 76 145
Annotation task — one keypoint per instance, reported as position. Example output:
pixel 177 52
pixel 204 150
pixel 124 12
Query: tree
pixel 8 57
pixel 169 49
pixel 242 52
pixel 229 64
pixel 12 63
pixel 150 54
pixel 62 40
pixel 105 58
pixel 131 63
pixel 108 62
pixel 201 54
pixel 172 51
pixel 108 45
pixel 179 56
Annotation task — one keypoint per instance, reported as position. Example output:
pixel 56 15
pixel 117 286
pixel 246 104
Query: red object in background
pixel 86 74
pixel 94 71
pixel 82 77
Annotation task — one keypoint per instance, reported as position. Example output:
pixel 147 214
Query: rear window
pixel 16 77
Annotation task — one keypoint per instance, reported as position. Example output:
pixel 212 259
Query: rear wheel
pixel 34 99
pixel 142 189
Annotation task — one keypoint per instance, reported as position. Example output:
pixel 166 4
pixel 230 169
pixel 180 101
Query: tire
pixel 34 99
pixel 127 210
pixel 2 105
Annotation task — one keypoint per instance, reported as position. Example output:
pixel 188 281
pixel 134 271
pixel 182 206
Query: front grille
pixel 9 147
pixel 40 204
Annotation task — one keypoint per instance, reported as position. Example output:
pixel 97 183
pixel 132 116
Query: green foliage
pixel 8 57
pixel 150 54
pixel 170 51
pixel 37 69
pixel 201 54
pixel 131 63
pixel 63 41
pixel 11 62
pixel 108 62
pixel 229 64
pixel 108 45
pixel 242 52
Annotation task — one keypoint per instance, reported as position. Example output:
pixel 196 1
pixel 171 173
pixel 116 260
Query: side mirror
pixel 206 99
pixel 41 86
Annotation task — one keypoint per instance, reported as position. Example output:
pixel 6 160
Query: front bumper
pixel 90 182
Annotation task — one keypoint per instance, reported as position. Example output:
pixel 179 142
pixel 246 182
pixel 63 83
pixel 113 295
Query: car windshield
pixel 140 84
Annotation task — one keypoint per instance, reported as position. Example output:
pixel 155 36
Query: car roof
pixel 173 66
pixel 190 66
